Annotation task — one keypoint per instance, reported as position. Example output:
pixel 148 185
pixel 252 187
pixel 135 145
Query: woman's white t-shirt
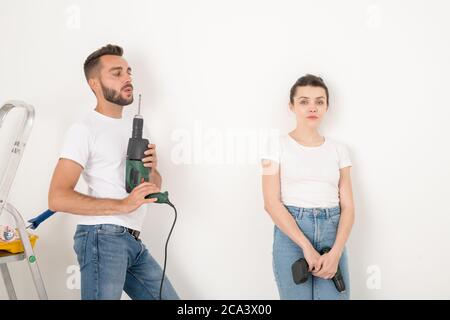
pixel 309 176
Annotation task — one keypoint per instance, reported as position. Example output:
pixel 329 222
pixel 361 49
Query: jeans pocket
pixel 335 218
pixel 293 211
pixel 79 246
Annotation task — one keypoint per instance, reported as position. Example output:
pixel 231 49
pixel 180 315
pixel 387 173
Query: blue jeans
pixel 112 260
pixel 319 225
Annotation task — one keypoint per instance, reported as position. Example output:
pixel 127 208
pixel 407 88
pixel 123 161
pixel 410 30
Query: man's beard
pixel 115 97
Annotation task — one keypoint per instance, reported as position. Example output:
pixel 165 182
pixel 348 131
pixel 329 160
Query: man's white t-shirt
pixel 309 176
pixel 99 144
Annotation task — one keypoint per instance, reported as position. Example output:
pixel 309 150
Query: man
pixel 110 254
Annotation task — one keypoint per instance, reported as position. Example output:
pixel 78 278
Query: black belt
pixel 134 233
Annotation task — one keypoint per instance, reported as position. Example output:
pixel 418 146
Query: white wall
pixel 211 68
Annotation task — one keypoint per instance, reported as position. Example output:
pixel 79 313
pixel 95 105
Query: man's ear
pixel 93 83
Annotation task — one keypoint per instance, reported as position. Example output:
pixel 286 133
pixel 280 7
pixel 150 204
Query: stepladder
pixel 13 156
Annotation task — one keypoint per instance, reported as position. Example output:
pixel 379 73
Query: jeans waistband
pixel 109 227
pixel 317 212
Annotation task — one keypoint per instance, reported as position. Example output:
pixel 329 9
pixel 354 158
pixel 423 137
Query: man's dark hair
pixel 308 80
pixel 93 61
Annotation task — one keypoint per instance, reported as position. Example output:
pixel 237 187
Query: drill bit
pixel 139 105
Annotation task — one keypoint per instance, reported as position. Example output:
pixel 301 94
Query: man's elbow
pixel 54 201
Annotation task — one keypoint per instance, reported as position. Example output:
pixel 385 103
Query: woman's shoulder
pixel 336 142
pixel 342 152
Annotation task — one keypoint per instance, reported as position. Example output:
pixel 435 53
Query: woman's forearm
pixel 345 226
pixel 286 223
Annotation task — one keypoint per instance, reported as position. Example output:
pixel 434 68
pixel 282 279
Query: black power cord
pixel 165 250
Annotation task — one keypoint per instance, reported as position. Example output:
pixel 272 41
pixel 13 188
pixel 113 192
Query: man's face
pixel 115 80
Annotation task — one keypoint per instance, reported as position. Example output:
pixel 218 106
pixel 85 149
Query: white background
pixel 212 68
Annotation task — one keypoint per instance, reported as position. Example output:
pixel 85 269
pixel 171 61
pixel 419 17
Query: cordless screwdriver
pixel 300 273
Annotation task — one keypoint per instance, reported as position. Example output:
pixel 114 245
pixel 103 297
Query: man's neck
pixel 109 109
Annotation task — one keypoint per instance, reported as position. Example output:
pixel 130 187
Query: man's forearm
pixel 155 178
pixel 77 203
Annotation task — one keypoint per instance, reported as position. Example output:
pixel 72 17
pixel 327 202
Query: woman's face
pixel 310 105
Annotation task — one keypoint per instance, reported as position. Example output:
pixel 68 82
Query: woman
pixel 308 194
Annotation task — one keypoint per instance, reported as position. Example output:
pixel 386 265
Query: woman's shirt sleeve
pixel 271 149
pixel 344 156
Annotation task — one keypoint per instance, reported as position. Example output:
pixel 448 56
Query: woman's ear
pixel 291 106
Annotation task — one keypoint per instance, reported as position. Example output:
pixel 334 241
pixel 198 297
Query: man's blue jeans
pixel 319 225
pixel 111 261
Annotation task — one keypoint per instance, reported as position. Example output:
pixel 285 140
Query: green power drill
pixel 136 173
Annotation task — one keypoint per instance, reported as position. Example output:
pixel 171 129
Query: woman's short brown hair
pixel 308 80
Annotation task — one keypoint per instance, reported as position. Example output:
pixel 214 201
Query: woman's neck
pixel 307 136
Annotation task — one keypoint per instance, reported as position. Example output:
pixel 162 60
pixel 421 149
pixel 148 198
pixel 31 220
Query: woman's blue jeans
pixel 319 225
pixel 111 261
